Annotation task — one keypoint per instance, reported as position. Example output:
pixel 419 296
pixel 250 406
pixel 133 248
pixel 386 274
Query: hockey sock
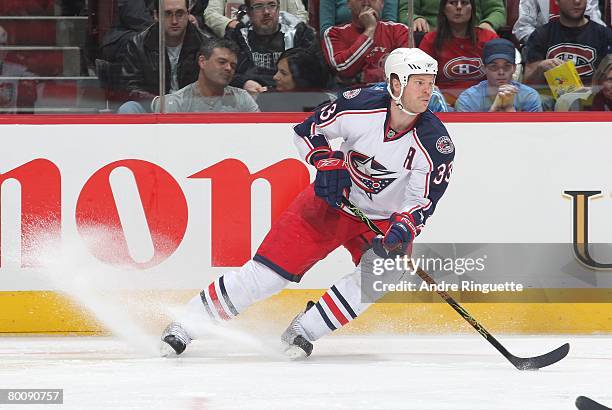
pixel 337 307
pixel 344 301
pixel 233 292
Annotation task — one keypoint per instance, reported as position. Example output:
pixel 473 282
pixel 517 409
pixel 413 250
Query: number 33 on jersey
pixel 391 171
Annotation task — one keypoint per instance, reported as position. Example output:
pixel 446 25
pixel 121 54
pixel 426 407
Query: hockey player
pixel 394 162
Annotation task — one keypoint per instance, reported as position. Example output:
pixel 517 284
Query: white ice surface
pixel 344 372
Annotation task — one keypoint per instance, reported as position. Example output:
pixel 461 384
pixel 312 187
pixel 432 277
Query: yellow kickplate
pixel 53 312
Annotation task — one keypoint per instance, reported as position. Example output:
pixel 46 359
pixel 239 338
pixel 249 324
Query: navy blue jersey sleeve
pixel 431 170
pixel 313 134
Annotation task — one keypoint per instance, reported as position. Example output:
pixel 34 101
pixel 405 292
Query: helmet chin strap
pixel 398 101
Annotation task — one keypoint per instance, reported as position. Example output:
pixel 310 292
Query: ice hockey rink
pixel 232 370
pixel 243 368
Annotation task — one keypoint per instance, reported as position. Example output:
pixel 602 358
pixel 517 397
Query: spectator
pixel 299 69
pixel 134 16
pixel 215 15
pixel 572 37
pixel 499 92
pixel 261 43
pixel 490 14
pixel 356 51
pixel 602 86
pixel 13 91
pixel 141 59
pixel 536 13
pixel 212 93
pixel 300 79
pixel 457 45
pixel 336 13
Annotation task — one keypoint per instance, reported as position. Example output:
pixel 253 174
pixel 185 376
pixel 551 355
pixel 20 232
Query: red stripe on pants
pixel 215 299
pixel 332 306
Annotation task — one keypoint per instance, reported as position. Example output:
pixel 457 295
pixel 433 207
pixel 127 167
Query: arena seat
pixel 47 61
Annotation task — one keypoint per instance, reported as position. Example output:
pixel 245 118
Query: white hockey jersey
pixel 406 171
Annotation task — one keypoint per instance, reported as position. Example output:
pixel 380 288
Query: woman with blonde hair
pixel 602 86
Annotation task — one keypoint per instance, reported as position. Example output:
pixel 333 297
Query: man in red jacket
pixel 357 50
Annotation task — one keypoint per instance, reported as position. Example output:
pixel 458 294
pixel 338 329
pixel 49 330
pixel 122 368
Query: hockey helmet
pixel 405 62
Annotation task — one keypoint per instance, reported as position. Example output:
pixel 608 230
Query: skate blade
pixel 295 353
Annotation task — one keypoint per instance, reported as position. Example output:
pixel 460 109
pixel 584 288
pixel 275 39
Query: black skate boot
pixel 175 339
pixel 297 345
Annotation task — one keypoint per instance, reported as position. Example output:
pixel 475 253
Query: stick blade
pixel 535 363
pixel 584 403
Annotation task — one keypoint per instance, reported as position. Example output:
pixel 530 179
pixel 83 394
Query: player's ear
pixel 395 84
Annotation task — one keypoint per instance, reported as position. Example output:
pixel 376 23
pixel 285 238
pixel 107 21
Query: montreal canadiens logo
pixel 445 145
pixel 464 68
pixel 368 174
pixel 583 57
pixel 351 93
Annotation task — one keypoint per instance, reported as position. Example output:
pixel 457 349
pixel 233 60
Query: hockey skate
pixel 297 346
pixel 174 340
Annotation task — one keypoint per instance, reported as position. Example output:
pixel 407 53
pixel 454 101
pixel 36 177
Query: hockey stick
pixel 584 403
pixel 521 363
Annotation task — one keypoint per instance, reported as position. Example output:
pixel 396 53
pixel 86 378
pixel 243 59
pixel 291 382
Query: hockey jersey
pixel 460 63
pixel 586 46
pixel 406 171
pixel 352 54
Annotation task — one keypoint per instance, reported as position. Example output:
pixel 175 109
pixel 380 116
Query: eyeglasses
pixel 179 14
pixel 258 8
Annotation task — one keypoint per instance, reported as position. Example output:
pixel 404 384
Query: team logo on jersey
pixel 368 174
pixel 444 145
pixel 583 57
pixel 464 68
pixel 351 93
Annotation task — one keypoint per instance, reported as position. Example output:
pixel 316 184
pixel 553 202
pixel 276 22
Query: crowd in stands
pixel 267 55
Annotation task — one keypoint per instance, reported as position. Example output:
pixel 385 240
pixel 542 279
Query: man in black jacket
pixel 269 33
pixel 140 68
pixel 133 16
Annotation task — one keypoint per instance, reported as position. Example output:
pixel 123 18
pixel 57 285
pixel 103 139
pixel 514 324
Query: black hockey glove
pixel 400 234
pixel 333 178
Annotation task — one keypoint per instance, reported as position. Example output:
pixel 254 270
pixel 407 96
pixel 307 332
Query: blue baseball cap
pixel 499 48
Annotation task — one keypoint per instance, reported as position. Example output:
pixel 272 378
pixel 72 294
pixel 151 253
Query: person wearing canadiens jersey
pixel 394 163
